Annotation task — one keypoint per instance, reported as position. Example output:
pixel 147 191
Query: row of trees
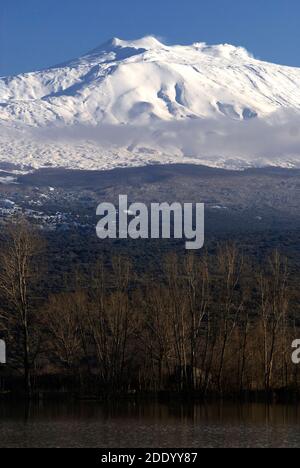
pixel 209 323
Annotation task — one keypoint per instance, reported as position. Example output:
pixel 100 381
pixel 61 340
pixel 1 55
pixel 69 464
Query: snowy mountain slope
pixel 200 92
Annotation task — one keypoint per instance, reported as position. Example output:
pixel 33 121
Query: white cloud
pixel 254 139
pixel 220 143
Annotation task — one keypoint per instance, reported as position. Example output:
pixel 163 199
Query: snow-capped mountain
pixel 135 102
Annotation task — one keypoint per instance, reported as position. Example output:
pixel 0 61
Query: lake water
pixel 133 425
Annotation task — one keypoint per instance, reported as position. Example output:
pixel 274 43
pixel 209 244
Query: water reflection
pixel 131 424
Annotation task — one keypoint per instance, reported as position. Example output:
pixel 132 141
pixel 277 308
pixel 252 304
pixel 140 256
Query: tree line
pixel 209 324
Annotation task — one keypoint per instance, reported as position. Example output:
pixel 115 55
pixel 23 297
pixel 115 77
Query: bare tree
pixel 19 274
pixel 111 322
pixel 230 301
pixel 196 287
pixel 273 309
pixel 62 318
pixel 157 336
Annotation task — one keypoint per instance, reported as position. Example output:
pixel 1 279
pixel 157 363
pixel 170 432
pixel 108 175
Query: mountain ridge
pixel 148 80
pixel 179 96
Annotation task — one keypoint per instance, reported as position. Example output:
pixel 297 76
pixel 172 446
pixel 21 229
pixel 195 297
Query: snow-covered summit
pixel 148 84
pixel 145 80
pixel 147 42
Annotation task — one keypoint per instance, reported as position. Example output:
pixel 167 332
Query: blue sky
pixel 38 33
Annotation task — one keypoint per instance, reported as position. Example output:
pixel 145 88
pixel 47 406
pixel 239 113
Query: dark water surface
pixel 133 425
